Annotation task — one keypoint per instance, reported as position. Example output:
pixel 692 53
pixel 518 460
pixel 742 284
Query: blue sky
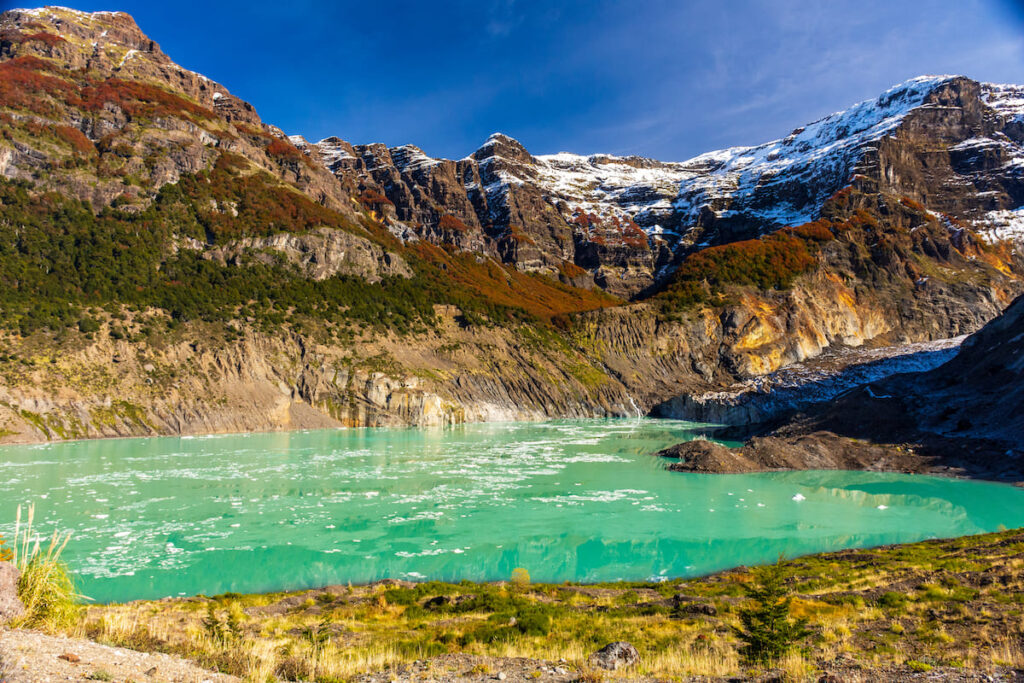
pixel 663 79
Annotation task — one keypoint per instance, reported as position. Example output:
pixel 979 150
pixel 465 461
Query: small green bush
pixel 892 600
pixel 88 326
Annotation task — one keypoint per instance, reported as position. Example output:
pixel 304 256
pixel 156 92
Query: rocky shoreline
pixel 963 418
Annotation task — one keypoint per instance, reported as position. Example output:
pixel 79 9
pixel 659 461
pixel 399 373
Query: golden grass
pixel 45 586
pixel 941 620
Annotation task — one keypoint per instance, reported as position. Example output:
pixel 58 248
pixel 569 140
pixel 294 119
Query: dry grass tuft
pixel 45 587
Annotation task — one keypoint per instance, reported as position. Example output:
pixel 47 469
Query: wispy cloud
pixel 503 18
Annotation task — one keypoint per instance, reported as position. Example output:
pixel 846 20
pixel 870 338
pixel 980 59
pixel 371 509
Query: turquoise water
pixel 567 500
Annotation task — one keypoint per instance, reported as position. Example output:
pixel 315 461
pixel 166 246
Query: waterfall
pixel 639 413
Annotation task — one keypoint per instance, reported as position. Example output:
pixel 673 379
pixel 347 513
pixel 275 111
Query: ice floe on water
pixel 567 500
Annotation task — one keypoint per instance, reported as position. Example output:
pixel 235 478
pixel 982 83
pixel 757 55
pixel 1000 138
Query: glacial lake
pixel 579 500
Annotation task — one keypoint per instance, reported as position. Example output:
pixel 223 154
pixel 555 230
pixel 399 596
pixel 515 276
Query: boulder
pixel 684 605
pixel 10 604
pixel 437 602
pixel 614 656
pixel 706 457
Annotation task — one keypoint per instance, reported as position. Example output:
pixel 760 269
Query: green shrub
pixel 88 325
pixel 534 620
pixel 892 599
pixel 401 596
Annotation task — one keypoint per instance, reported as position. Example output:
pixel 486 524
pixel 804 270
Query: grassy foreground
pixel 954 603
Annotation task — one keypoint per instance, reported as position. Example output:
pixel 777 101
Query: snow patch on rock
pixel 829 147
pixel 1007 224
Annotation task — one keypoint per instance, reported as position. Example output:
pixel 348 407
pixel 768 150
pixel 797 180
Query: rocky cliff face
pixel 962 418
pixel 491 266
pixel 95 85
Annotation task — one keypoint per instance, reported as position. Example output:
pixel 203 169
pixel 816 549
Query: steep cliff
pixel 964 417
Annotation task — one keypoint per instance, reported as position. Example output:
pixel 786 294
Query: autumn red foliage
pixel 284 150
pixel 76 138
pixel 140 100
pixel 451 223
pixel 263 206
pixel 373 199
pixel 48 38
pixel 540 296
pixel 771 262
pixel 819 230
pixel 24 79
pixel 17 37
pixel 571 270
pixel 911 204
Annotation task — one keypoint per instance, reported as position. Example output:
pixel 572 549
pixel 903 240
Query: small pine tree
pixel 213 626
pixel 318 635
pixel 767 630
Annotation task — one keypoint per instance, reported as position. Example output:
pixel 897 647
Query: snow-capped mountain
pixel 623 223
pixel 946 141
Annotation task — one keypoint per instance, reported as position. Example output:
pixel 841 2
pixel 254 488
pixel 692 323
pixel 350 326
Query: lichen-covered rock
pixel 321 254
pixel 11 606
pixel 613 656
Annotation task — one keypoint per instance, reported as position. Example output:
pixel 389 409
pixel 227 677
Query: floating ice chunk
pixel 883 507
pixel 798 497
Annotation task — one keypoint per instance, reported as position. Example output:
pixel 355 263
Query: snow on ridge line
pixel 823 152
pixel 411 157
pixel 48 10
pixel 1005 99
pixel 831 145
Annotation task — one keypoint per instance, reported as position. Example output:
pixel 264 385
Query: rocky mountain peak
pixel 69 33
pixel 113 27
pixel 501 145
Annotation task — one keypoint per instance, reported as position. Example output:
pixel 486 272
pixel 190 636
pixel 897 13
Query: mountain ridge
pixel 173 264
pixel 672 201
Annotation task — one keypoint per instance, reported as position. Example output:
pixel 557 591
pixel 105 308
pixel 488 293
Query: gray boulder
pixel 614 656
pixel 10 604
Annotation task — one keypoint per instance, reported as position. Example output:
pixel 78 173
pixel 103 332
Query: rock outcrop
pixel 11 606
pixel 964 417
pixel 614 656
pixel 320 254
